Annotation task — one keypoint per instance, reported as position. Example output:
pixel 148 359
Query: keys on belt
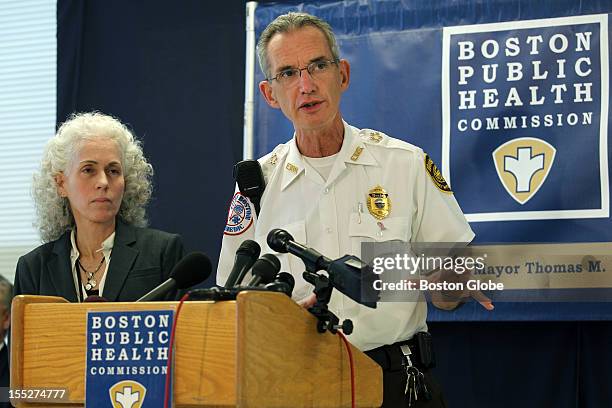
pixel 415 379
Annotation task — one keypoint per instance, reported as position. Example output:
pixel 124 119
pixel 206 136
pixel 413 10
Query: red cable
pixel 350 353
pixel 171 350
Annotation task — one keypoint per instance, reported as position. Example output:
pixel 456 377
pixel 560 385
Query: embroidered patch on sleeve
pixel 240 216
pixel 436 175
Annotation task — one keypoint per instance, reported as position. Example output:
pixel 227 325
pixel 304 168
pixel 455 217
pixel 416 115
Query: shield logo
pixel 522 166
pixel 240 216
pixel 127 394
pixel 378 202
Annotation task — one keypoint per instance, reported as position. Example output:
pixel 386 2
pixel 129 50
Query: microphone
pixel 281 241
pixel 191 270
pixel 250 180
pixel 264 270
pixel 246 255
pixel 348 274
pixel 217 294
pixel 283 282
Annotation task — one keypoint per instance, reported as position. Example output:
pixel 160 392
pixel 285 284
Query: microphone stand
pixel 326 320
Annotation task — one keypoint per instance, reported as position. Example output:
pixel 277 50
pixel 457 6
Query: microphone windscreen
pixel 250 179
pixel 277 240
pixel 250 248
pixel 266 268
pixel 286 277
pixel 191 270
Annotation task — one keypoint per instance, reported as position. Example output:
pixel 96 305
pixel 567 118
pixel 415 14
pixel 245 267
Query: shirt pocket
pixel 364 228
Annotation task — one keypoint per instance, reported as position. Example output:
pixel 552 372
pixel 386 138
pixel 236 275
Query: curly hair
pixel 53 212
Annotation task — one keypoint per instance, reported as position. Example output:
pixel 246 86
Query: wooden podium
pixel 261 350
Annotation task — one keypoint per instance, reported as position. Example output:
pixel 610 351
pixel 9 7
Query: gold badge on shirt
pixel 292 168
pixel 357 153
pixel 273 159
pixel 375 137
pixel 436 175
pixel 379 204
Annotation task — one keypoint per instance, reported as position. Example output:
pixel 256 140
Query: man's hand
pixel 446 300
pixel 308 301
pixel 450 299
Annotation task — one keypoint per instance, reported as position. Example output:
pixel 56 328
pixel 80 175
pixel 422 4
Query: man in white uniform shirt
pixel 333 186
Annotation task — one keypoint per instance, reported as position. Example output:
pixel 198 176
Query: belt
pixel 391 358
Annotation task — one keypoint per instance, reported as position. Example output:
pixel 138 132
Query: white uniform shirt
pixel 325 215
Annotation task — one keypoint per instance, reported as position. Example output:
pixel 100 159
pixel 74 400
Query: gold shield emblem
pixel 127 394
pixel 522 166
pixel 379 204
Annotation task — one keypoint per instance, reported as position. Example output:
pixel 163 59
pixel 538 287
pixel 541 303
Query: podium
pixel 261 350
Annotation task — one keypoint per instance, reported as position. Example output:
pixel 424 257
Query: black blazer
pixel 141 259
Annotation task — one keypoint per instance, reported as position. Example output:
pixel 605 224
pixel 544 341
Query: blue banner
pixel 510 99
pixel 520 101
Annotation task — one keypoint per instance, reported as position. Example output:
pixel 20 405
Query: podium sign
pixel 127 356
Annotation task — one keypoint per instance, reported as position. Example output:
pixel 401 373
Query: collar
pixel 294 165
pixel 353 151
pixel 106 248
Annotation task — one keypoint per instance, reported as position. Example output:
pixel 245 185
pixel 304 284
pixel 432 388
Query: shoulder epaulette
pixel 376 138
pixel 276 155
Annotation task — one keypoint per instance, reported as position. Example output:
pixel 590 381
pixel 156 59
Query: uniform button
pixel 326 191
pixel 329 230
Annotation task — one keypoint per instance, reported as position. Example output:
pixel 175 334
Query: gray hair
pixel 289 22
pixel 53 212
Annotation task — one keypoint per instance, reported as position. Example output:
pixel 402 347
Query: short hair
pixel 289 22
pixel 6 294
pixel 54 216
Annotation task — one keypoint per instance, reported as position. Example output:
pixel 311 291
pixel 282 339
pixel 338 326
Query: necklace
pixel 91 281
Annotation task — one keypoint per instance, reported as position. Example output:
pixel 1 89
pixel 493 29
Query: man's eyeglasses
pixel 289 76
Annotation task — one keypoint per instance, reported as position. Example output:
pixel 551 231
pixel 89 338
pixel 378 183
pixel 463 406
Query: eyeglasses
pixel 289 76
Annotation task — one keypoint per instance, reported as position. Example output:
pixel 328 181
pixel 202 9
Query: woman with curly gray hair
pixel 90 194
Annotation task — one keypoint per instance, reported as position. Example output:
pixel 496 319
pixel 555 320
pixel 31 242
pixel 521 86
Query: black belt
pixel 391 358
